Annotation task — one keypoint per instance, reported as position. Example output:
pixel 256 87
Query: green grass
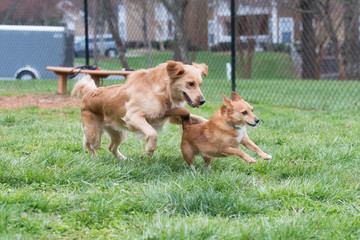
pixel 308 94
pixel 272 82
pixel 51 189
pixel 266 65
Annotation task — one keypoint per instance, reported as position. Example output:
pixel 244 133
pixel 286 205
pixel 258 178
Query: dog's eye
pixel 244 112
pixel 191 84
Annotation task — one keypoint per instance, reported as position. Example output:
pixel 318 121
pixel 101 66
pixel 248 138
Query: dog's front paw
pixel 250 160
pixel 150 152
pixel 120 156
pixel 265 156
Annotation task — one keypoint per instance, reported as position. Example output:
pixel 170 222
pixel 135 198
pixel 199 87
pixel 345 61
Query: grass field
pixel 272 82
pixel 51 189
pixel 307 94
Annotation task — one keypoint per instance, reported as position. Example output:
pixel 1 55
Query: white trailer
pixel 27 50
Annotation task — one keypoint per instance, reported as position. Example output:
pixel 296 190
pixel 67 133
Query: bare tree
pixel 248 26
pixel 352 44
pixel 324 9
pixel 112 21
pixel 245 59
pixel 177 9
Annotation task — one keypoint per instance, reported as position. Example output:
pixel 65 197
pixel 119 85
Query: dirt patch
pixel 41 100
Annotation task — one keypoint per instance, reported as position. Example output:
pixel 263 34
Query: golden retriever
pixel 222 134
pixel 139 105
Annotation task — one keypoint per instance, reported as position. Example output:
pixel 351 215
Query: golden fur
pixel 139 105
pixel 222 134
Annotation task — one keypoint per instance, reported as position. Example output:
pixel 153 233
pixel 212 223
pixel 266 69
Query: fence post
pixel 233 53
pixel 86 33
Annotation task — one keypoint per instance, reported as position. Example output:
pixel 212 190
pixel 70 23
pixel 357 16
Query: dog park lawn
pixel 273 82
pixel 51 189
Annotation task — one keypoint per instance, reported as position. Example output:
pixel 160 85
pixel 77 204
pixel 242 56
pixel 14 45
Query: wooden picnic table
pixel 63 73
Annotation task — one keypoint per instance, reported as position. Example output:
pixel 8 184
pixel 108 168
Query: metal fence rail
pixel 303 53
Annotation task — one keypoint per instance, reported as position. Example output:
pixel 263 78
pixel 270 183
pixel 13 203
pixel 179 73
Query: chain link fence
pixel 303 53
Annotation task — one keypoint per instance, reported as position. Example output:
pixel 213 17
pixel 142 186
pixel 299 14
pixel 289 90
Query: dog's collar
pixel 232 125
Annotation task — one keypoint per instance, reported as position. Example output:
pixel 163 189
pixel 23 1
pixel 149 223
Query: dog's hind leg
pixel 207 160
pixel 92 128
pixel 116 138
pixel 188 152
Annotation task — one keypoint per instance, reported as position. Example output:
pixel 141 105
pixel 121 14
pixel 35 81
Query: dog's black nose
pixel 202 101
pixel 257 120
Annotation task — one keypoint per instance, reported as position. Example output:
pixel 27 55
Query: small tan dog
pixel 222 134
pixel 139 105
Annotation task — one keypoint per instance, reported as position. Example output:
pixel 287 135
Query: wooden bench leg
pixel 96 77
pixel 62 83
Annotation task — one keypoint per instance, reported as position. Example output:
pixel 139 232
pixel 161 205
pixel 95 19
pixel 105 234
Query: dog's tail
pixel 180 112
pixel 83 85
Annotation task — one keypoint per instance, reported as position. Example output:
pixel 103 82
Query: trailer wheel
pixel 26 75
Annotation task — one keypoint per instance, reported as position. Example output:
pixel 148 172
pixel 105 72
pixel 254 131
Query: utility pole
pixel 233 53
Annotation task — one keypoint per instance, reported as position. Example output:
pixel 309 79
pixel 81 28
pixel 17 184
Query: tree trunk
pixel 177 9
pixel 308 40
pixel 352 45
pixel 245 60
pixel 146 20
pixel 112 21
pixel 241 56
pixel 250 54
pixel 324 9
pixel 180 46
pixel 240 51
pixel 320 58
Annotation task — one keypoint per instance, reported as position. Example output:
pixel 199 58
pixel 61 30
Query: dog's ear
pixel 175 69
pixel 202 67
pixel 227 102
pixel 235 96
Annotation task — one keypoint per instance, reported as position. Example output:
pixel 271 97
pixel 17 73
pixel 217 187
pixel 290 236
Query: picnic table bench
pixel 63 72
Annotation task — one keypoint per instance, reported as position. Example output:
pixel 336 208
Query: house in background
pixel 152 19
pixel 208 22
pixel 261 20
pixel 142 20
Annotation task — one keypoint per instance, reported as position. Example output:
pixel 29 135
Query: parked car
pixel 27 50
pixel 106 42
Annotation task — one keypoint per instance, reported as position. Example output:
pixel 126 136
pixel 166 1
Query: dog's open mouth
pixel 252 125
pixel 191 104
